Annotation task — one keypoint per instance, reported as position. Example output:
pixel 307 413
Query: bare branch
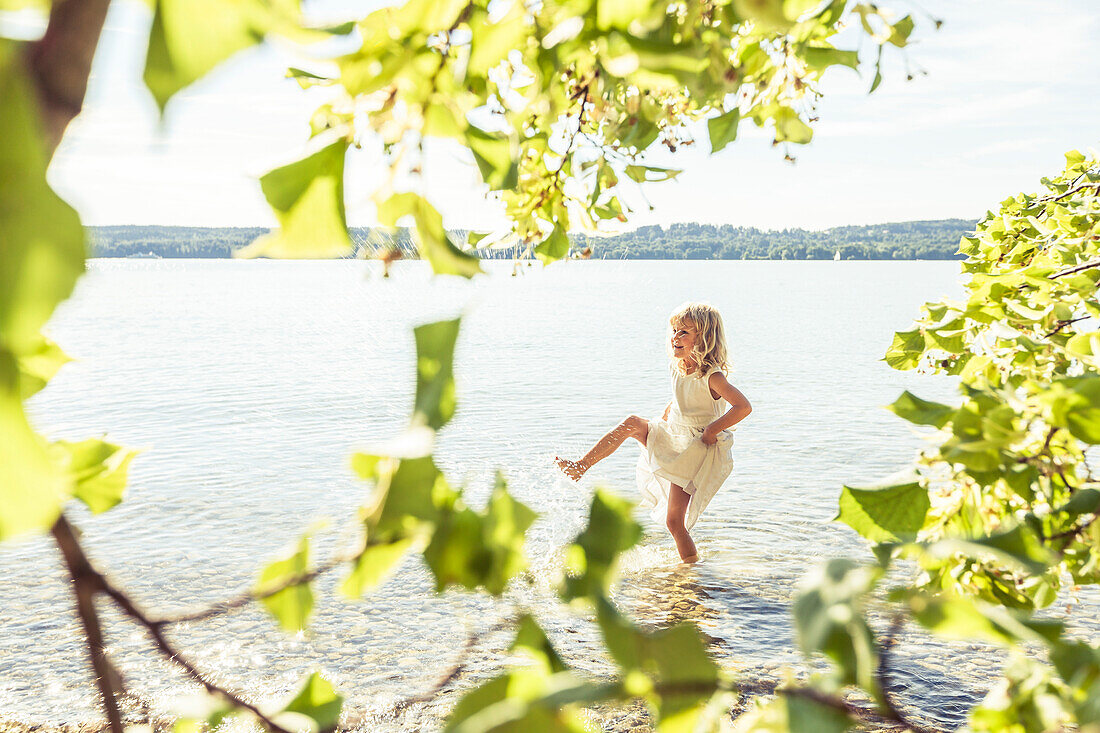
pixel 245 597
pixel 1077 268
pixel 1062 324
pixel 156 631
pixel 61 61
pixel 86 583
pixel 893 712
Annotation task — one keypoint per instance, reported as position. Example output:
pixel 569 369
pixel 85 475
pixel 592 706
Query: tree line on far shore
pixel 910 240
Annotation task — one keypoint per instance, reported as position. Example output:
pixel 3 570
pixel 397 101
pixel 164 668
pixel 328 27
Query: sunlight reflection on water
pixel 248 384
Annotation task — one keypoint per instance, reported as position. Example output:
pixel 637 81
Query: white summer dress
pixel 674 454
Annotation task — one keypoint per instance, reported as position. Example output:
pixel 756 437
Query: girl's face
pixel 683 340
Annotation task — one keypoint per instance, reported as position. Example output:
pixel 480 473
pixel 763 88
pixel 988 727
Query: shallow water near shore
pixel 249 384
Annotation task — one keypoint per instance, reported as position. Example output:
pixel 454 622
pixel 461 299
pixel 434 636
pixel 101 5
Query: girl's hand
pixel 709 436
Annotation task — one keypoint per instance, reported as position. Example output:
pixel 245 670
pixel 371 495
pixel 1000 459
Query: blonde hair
pixel 709 351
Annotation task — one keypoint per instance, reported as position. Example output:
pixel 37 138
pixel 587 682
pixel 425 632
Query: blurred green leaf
pixel 435 245
pixel 32 487
pixel 532 641
pixel 921 412
pixel 474 550
pixel 592 559
pixel 554 247
pixel 955 617
pixel 723 129
pixel 821 58
pixel 494 156
pixel 828 614
pixel 291 605
pixel 435 383
pixel 906 350
pixel 675 658
pixel 317 700
pixel 190 37
pixel 373 565
pixel 793 713
pixel 491 42
pixel 307 197
pixel 38 365
pixel 889 512
pixel 41 239
pixel 789 127
pixel 97 469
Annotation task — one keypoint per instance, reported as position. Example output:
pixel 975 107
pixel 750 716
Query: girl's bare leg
pixel 678 500
pixel 632 427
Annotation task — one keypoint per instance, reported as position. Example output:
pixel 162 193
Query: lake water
pixel 248 384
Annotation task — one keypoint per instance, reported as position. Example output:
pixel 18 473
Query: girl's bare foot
pixel 572 469
pixel 690 559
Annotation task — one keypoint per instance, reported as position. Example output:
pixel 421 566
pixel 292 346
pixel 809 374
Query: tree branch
pixel 86 583
pixel 248 596
pixel 156 631
pixel 893 712
pixel 61 61
pixel 1077 268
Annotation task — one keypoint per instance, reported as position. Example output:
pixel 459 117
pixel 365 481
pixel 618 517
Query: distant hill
pixel 909 240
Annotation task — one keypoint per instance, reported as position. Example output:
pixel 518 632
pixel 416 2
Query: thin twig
pixel 156 631
pixel 893 712
pixel 1062 324
pixel 87 582
pixel 1076 268
pixel 249 596
pixel 1069 192
pixel 458 667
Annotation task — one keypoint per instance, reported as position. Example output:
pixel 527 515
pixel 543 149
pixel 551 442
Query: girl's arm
pixel 739 407
pixel 667 408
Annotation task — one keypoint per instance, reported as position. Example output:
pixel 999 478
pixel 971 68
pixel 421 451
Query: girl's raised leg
pixel 678 500
pixel 632 427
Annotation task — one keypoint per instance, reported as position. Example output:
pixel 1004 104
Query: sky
pixel 999 93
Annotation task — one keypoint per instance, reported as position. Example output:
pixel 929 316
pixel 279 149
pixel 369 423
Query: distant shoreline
pixel 910 240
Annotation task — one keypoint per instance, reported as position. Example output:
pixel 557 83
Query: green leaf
pixel 675 657
pixel 38 365
pixel 829 619
pixel 32 487
pixel 789 127
pixel 956 617
pixel 435 245
pixel 292 605
pixel 532 642
pixel 889 512
pixel 592 559
pixel 491 42
pixel 308 200
pixel 793 713
pixel 474 550
pixel 97 470
pixel 723 129
pixel 906 350
pixel 1083 501
pixel 921 412
pixel 620 13
pixel 435 382
pixel 317 700
pixel 495 158
pixel 821 58
pixel 190 37
pixel 554 247
pixel 41 239
pixel 899 32
pixel 375 564
pixel 402 501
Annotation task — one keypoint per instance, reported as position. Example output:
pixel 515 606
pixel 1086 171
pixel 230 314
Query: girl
pixel 686 454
